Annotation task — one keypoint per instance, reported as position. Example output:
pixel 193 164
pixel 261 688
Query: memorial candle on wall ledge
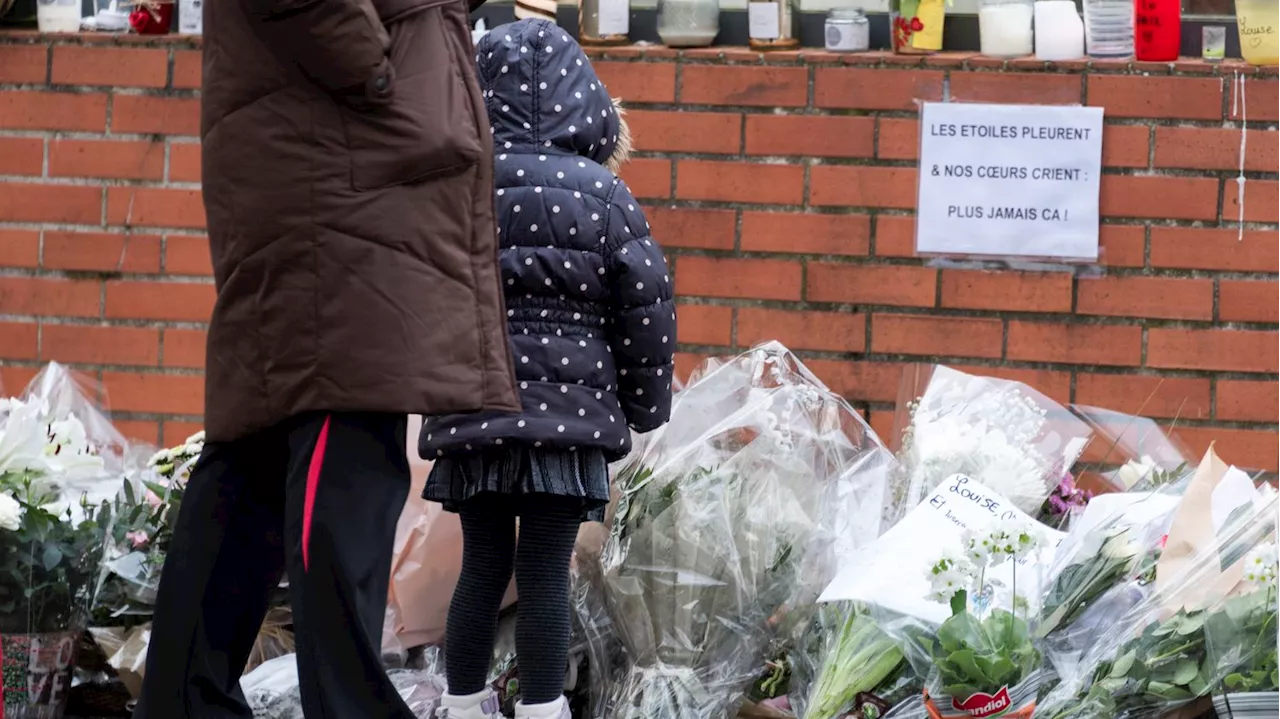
pixel 916 25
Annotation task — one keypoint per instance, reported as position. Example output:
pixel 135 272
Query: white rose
pixel 197 438
pixel 10 513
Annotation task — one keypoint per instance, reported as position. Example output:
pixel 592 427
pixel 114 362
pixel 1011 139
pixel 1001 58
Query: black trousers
pixel 317 496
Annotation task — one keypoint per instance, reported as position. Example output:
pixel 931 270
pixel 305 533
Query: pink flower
pixel 152 499
pixel 139 538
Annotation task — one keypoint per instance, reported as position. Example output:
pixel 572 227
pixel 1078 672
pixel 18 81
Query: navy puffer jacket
pixel 588 293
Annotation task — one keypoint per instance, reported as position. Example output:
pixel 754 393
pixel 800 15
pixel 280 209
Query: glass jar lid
pixel 847 14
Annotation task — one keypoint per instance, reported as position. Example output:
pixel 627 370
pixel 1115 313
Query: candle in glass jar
pixel 1004 29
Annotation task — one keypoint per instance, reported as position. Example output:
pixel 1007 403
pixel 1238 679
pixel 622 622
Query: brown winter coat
pixel 348 182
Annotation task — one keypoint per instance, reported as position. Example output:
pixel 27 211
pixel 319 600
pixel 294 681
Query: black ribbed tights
pixel 548 530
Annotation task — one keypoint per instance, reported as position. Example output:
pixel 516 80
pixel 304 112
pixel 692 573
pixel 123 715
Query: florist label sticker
pixel 1009 180
pixel 891 571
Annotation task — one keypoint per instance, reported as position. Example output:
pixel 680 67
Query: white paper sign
pixel 1235 490
pixel 763 21
pixel 1009 180
pixel 891 571
pixel 615 17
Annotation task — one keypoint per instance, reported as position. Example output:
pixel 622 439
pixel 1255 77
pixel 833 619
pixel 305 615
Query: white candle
pixel 1005 30
pixel 1059 31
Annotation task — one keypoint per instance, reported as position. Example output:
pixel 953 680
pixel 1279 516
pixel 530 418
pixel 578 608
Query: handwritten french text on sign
pixel 1009 180
pixel 891 571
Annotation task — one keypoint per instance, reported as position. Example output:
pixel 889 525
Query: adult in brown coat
pixel 348 187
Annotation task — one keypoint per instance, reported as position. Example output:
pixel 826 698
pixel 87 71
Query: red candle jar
pixel 152 18
pixel 1157 29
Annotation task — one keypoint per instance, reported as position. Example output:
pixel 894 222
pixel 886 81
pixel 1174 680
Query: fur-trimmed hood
pixel 543 95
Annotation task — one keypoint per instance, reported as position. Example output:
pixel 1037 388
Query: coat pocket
pixel 428 128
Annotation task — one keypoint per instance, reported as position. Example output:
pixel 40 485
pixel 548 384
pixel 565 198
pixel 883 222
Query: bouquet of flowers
pixel 855 668
pixel 1211 625
pixel 145 510
pixel 55 453
pixel 729 520
pixel 1002 434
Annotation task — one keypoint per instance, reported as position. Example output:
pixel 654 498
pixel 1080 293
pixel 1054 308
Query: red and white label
pixel 984 705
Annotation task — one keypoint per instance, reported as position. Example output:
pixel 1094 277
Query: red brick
pixel 1016 291
pixel 138 430
pixel 899 139
pixel 1122 245
pixel 639 82
pixel 147 114
pixel 49 297
pixel 717 133
pixel 1248 449
pixel 1205 148
pixel 860 381
pixel 83 344
pixel 934 336
pixel 14 379
pixel 751 279
pixel 695 228
pixel 1247 401
pixel 26 64
pixel 21 156
pixel 863 186
pixel 1016 87
pixel 1217 349
pixel 101 252
pixel 111 66
pixel 173 301
pixel 126 160
pixel 808 330
pixel 811 135
pixel 648 178
pixel 1144 96
pixel 895 236
pixel 1248 301
pixel 686 363
pixel 1261 201
pixel 184 162
pixel 70 204
pixel 893 285
pixel 1159 197
pixel 1074 343
pixel 806 233
pixel 155 207
pixel 18 340
pixel 176 432
pixel 19 248
pixel 187 255
pixel 1126 145
pixel 1260 101
pixel 29 110
pixel 875 89
pixel 1183 397
pixel 1158 297
pixel 740 182
pixel 705 325
pixel 1054 384
pixel 744 86
pixel 1214 249
pixel 185 348
pixel 155 393
pixel 187 69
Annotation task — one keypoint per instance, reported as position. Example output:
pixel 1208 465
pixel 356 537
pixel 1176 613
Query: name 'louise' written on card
pixel 1009 180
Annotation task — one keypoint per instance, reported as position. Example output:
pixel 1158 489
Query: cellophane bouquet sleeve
pixel 729 517
pixel 1189 637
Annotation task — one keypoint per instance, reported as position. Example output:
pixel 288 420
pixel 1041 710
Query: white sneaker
pixel 484 705
pixel 558 709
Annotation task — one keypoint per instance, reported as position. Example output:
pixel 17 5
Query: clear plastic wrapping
pixel 272 691
pixel 844 664
pixel 730 517
pixel 1135 453
pixel 1208 623
pixel 1001 433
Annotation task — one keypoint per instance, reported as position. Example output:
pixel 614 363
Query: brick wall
pixel 784 191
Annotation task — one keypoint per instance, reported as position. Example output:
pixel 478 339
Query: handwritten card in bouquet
pixel 891 571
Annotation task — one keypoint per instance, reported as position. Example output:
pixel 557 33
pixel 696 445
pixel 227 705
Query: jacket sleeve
pixel 341 45
pixel 643 336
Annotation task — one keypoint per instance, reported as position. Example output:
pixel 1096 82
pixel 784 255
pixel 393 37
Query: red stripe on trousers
pixel 313 483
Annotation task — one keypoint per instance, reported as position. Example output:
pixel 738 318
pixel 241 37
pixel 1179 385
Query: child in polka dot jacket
pixel 593 331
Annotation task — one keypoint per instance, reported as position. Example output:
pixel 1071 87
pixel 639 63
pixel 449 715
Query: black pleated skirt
pixel 522 471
